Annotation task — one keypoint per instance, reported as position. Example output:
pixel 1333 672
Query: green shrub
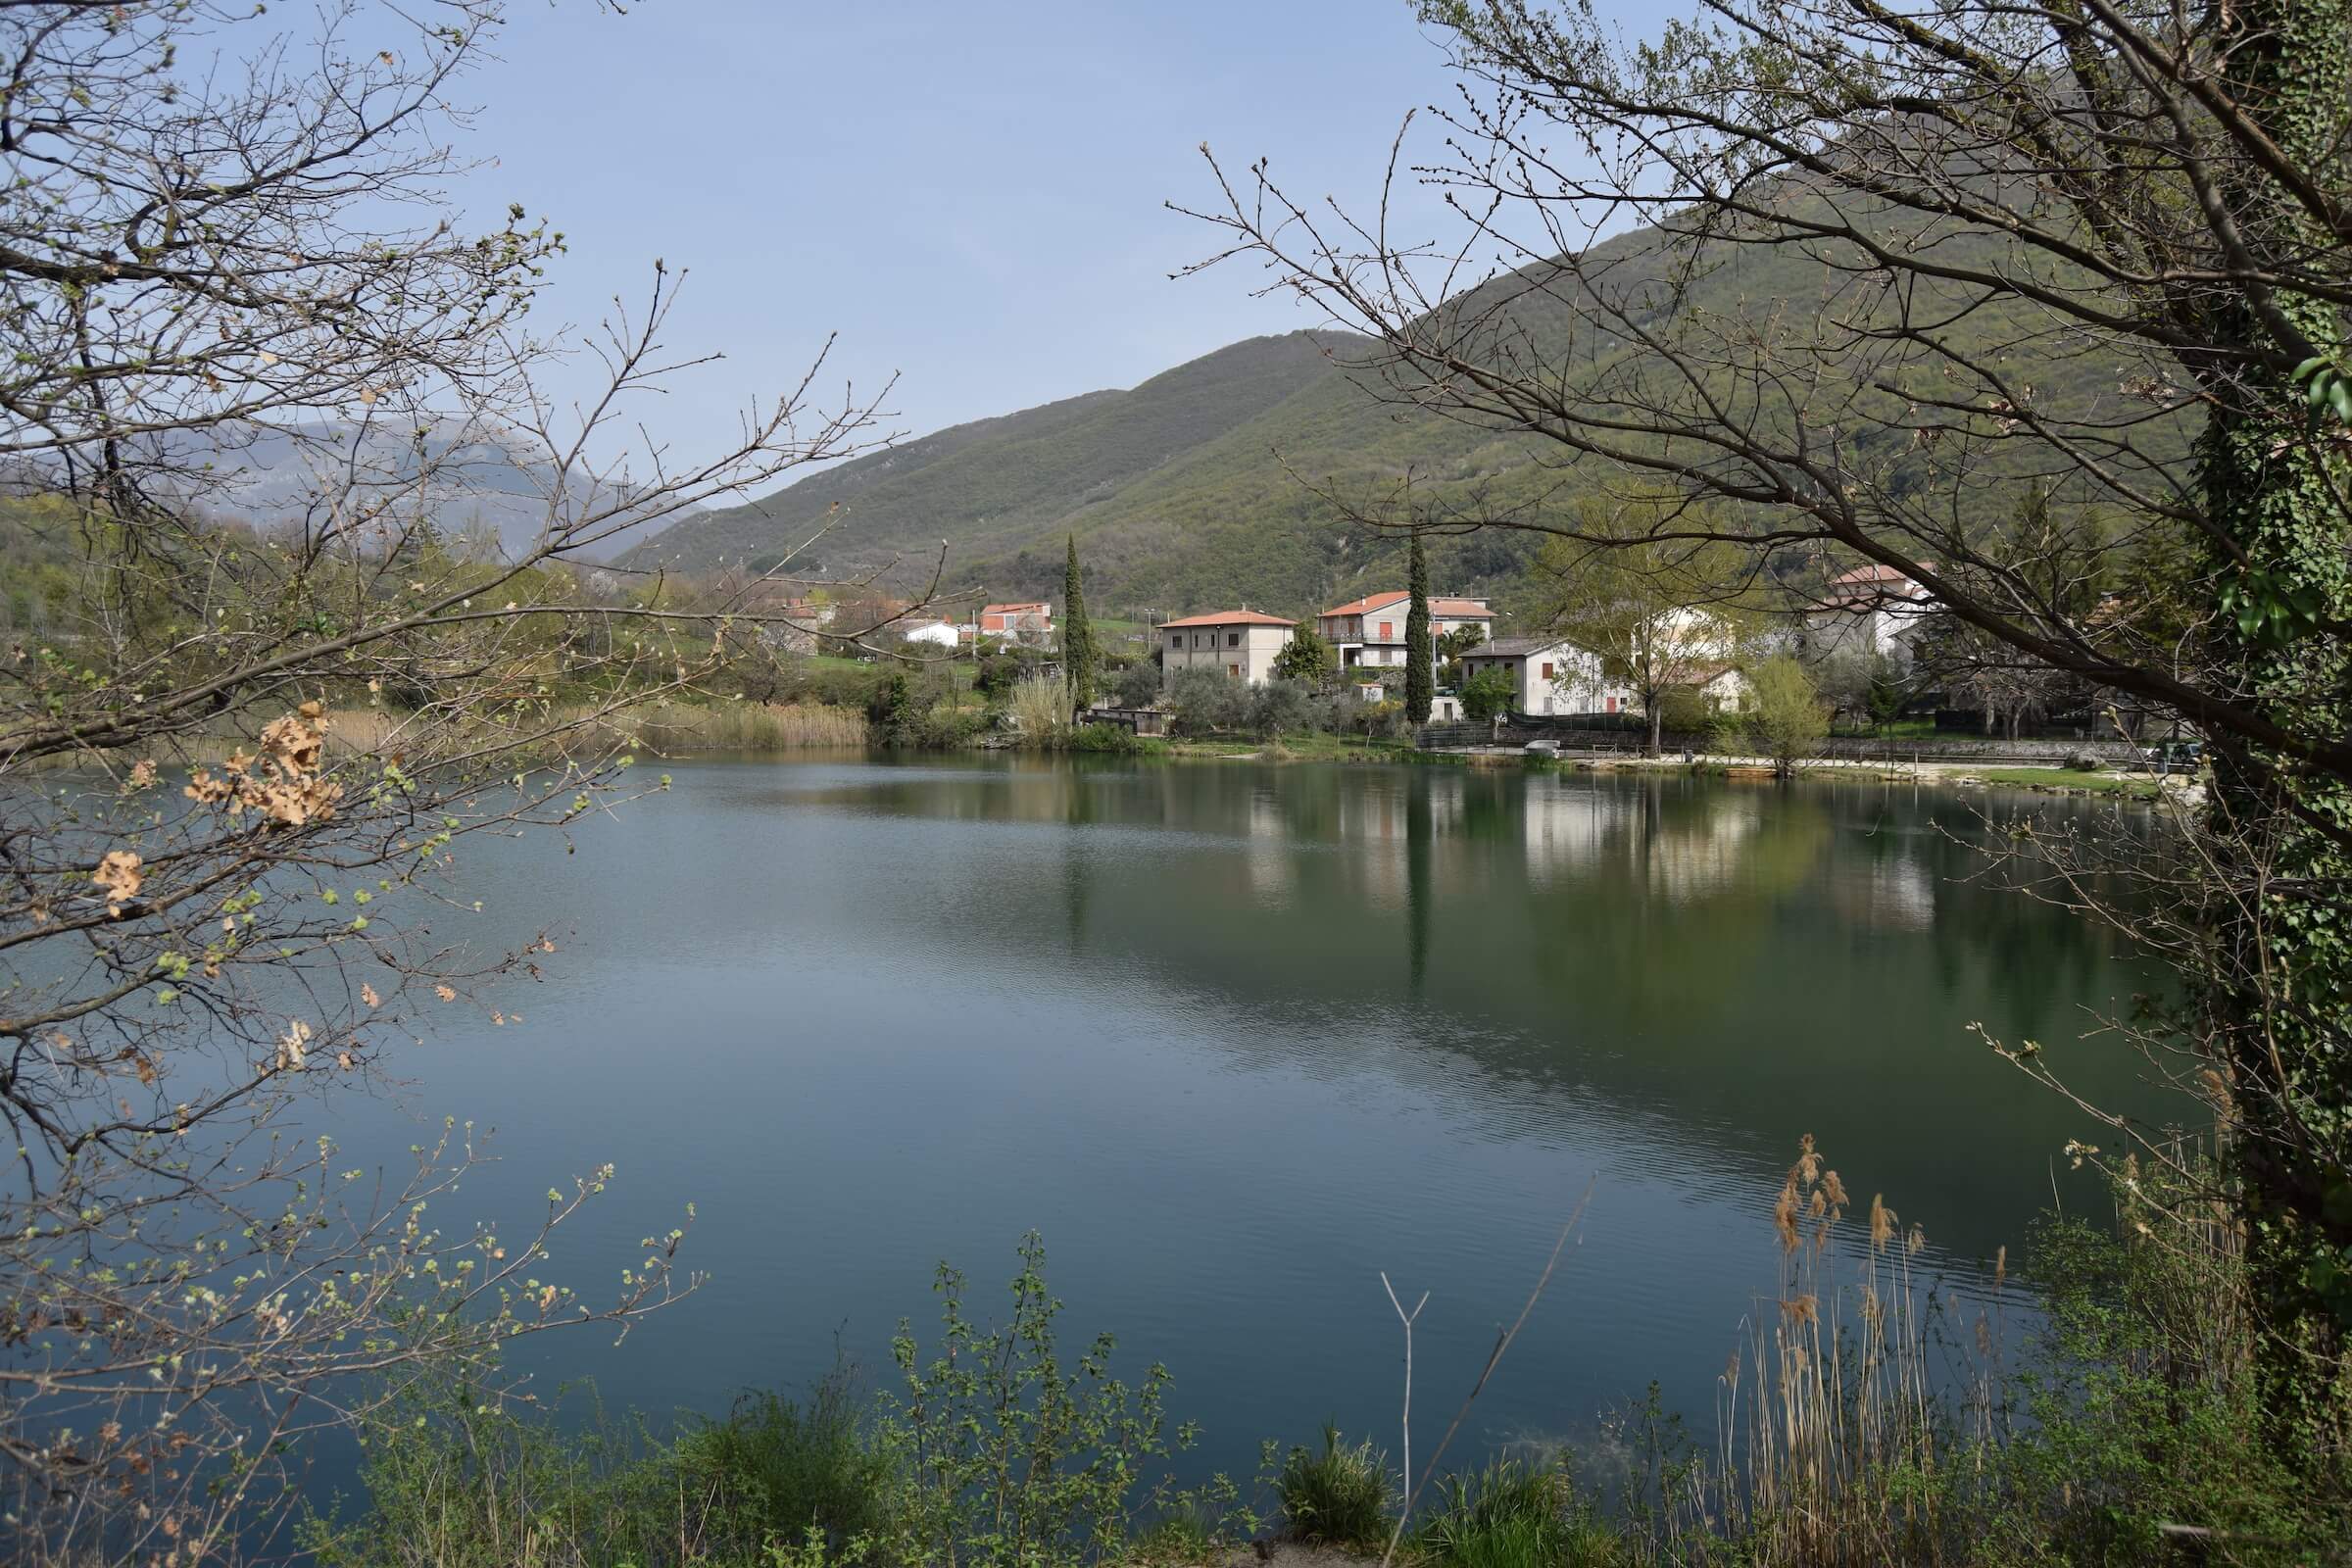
pixel 1136 685
pixel 1514 1516
pixel 1115 739
pixel 1282 707
pixel 1004 1453
pixel 456 1481
pixel 1488 693
pixel 1201 701
pixel 1337 1498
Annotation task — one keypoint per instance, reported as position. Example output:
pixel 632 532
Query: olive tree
pixel 1904 267
pixel 241 761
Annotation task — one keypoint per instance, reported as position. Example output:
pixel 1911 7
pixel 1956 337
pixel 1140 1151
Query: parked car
pixel 1542 748
pixel 2172 757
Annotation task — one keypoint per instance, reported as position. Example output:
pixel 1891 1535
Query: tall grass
pixel 1337 1497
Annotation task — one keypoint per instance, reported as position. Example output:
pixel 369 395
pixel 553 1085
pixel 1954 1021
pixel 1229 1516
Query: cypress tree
pixel 1420 653
pixel 1077 637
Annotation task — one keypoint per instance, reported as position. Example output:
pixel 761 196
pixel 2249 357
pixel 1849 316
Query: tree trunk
pixel 2277 1008
pixel 1658 722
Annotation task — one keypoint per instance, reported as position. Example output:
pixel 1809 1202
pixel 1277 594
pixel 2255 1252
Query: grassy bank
pixel 1867 1421
pixel 2067 778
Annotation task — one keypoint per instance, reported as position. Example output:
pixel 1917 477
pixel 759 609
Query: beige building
pixel 1236 643
pixel 1371 630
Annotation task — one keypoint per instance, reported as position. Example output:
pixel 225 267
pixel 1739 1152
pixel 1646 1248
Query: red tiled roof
pixel 1231 617
pixel 1366 605
pixel 1040 606
pixel 1455 609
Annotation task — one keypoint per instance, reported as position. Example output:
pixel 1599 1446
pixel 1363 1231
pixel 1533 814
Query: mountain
pixel 478 485
pixel 1003 490
pixel 1187 493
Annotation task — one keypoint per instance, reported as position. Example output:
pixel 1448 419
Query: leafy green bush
pixel 1201 701
pixel 1003 1454
pixel 454 1481
pixel 1282 707
pixel 1115 739
pixel 1488 693
pixel 1339 1497
pixel 1136 685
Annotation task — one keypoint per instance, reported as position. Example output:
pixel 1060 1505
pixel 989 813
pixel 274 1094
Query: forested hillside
pixel 1002 490
pixel 1199 488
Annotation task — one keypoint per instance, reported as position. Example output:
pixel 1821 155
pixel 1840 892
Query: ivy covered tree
pixel 1420 652
pixel 1078 652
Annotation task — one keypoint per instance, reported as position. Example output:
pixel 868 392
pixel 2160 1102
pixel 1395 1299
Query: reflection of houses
pixel 1701 856
pixel 1870 611
pixel 1237 643
pixel 1549 676
pixel 1371 630
pixel 1568 831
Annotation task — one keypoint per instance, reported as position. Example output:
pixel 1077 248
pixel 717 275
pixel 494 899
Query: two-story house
pixel 1237 643
pixel 1371 630
pixel 1030 622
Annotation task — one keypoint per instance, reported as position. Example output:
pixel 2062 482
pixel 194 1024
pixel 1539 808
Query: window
pixel 1233 639
pixel 1547 671
pixel 1388 631
pixel 1235 671
pixel 1176 640
pixel 1612 704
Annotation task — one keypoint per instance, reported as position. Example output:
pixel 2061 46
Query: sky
pixel 971 196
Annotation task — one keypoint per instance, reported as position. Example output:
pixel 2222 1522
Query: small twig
pixel 1502 1342
pixel 1407 1318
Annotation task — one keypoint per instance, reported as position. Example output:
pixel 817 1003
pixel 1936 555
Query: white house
pixel 934 633
pixel 1371 630
pixel 1871 611
pixel 1237 643
pixel 1549 676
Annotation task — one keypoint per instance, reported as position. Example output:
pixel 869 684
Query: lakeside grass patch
pixel 2068 778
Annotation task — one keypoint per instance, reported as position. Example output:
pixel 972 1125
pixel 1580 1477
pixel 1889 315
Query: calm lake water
pixel 1235 1037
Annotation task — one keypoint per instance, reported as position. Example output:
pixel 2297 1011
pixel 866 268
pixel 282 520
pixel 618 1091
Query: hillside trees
pixel 2143 215
pixel 267 751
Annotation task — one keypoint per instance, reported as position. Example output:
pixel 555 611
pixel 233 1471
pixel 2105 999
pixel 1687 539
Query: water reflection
pixel 1235 1035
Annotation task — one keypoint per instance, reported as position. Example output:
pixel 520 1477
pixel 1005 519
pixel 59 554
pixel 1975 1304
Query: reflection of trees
pixel 1740 963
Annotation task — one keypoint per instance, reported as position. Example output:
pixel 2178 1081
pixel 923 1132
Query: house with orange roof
pixel 1872 611
pixel 1371 630
pixel 1030 622
pixel 1239 644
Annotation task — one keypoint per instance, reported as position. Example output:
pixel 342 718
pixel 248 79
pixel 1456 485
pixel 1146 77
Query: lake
pixel 1237 1037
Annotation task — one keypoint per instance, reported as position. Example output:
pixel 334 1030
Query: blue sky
pixel 970 195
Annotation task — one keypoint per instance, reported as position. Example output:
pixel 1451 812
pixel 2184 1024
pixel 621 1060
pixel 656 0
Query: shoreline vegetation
pixel 674 730
pixel 2100 1407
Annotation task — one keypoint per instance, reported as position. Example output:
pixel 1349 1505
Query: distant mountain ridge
pixel 1000 487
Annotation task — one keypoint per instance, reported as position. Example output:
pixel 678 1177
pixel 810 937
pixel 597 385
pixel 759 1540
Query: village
pixel 1689 661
